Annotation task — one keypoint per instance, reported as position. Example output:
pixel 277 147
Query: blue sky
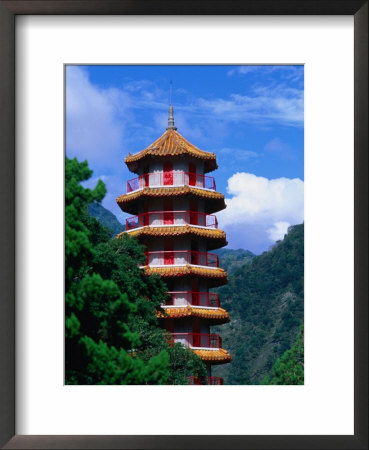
pixel 252 117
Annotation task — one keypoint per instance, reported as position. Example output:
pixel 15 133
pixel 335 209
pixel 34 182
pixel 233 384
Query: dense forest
pixel 289 368
pixel 265 298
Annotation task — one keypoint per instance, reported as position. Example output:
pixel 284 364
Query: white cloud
pixel 97 118
pixel 276 102
pixel 239 154
pixel 267 104
pixel 260 210
pixel 292 73
pixel 244 70
pixel 278 230
pixel 93 129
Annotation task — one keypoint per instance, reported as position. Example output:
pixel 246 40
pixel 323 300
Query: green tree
pixel 289 368
pixel 111 330
pixel 184 363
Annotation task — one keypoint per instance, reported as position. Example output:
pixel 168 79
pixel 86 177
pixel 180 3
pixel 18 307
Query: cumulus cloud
pixel 94 130
pixel 260 210
pixel 97 118
pixel 278 230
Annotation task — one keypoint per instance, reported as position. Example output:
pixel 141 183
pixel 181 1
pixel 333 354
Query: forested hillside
pixel 265 299
pixel 289 368
pixel 233 259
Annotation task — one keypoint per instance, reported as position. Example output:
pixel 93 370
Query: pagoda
pixel 173 204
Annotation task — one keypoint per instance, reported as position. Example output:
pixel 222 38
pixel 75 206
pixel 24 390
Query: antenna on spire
pixel 171 125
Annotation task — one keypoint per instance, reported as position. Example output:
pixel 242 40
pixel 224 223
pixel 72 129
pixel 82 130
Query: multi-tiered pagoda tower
pixel 173 203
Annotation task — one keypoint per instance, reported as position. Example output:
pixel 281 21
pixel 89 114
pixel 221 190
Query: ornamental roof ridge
pixel 172 143
pixel 215 233
pixel 219 314
pixel 174 271
pixel 217 356
pixel 169 190
pixel 124 200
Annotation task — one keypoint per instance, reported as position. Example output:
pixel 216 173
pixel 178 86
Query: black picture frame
pixel 8 12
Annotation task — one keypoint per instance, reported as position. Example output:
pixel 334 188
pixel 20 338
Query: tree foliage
pixel 289 368
pixel 112 335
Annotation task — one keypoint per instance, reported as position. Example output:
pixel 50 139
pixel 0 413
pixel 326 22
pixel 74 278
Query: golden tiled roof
pixel 173 271
pixel 171 143
pixel 220 315
pixel 170 191
pixel 209 233
pixel 216 277
pixel 220 356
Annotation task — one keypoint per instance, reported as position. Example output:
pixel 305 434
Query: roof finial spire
pixel 171 125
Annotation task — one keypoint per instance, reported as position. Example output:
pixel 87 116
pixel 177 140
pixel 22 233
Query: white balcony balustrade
pixel 197 340
pixel 170 218
pixel 190 298
pixel 181 258
pixel 172 178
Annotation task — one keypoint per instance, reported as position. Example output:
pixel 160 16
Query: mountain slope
pixel 105 217
pixel 265 302
pixel 231 260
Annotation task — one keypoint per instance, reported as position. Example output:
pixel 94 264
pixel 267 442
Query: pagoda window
pixel 194 252
pixel 144 177
pixel 192 174
pixel 168 174
pixel 145 214
pixel 168 253
pixel 169 325
pixel 193 212
pixel 196 333
pixel 195 292
pixel 168 211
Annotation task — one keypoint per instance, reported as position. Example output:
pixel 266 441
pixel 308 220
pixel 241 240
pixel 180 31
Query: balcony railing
pixel 198 340
pixel 206 380
pixel 181 257
pixel 184 298
pixel 160 218
pixel 172 178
